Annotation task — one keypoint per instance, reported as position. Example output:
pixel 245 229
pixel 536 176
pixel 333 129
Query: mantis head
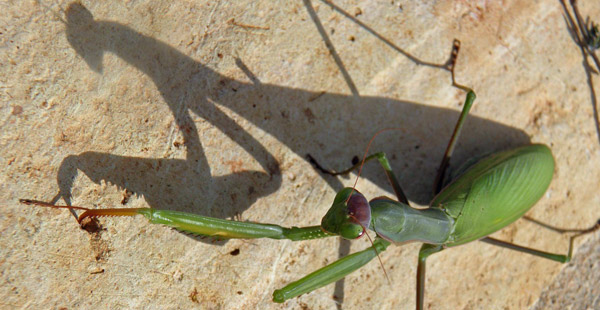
pixel 349 216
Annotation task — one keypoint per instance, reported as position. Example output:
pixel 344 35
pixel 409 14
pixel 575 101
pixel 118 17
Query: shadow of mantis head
pixel 82 33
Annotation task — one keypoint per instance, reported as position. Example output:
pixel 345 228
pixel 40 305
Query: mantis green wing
pixel 496 191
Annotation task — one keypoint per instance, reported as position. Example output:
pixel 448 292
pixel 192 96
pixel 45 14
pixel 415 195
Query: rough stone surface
pixel 210 107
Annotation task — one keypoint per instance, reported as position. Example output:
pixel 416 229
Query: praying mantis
pixel 282 273
pixel 485 195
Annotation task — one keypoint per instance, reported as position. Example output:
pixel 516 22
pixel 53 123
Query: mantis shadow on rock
pixel 324 125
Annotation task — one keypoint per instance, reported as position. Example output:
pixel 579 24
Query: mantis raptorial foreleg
pixel 331 272
pixel 383 161
pixel 201 225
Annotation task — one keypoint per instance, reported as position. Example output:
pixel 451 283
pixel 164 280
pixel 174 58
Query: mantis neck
pixel 398 222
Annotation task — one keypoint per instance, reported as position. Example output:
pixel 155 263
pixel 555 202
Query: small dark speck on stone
pixel 17 110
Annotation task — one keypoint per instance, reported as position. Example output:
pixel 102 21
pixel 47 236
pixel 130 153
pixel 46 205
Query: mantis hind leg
pixel 552 256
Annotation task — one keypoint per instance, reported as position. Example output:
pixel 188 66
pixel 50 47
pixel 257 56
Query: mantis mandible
pixel 485 195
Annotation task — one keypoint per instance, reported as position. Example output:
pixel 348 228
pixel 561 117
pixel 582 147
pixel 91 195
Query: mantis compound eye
pixel 349 216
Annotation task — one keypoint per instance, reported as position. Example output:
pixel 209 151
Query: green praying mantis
pixel 483 196
pixel 488 194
